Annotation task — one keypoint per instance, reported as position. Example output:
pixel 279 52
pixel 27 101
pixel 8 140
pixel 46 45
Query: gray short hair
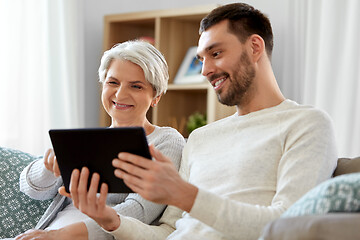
pixel 142 54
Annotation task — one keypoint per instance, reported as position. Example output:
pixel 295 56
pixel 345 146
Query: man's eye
pixel 216 54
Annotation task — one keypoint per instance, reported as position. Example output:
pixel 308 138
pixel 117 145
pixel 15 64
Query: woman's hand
pixel 76 231
pixel 50 162
pixel 88 202
pixel 38 235
pixel 156 181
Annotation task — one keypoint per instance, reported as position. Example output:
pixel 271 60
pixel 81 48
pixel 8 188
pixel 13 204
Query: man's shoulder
pixel 304 118
pixel 303 111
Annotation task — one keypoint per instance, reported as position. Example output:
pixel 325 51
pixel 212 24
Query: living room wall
pixel 94 12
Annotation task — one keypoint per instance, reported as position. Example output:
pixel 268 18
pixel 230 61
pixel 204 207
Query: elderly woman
pixel 134 76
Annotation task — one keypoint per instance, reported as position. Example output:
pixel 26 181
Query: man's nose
pixel 207 68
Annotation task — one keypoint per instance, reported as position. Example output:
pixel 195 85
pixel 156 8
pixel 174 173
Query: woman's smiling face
pixel 126 94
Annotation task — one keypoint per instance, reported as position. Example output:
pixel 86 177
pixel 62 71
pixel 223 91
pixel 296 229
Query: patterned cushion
pixel 339 194
pixel 18 212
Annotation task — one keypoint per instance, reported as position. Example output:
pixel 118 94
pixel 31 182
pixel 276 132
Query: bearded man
pixel 240 172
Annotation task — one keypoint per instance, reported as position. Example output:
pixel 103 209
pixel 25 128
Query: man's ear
pixel 257 46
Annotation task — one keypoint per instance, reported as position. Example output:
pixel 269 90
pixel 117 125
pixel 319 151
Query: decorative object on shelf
pixel 148 39
pixel 190 69
pixel 195 120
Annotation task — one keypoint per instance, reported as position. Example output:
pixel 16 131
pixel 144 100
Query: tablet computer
pixel 95 148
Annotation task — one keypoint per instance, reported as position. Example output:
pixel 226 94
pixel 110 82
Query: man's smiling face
pixel 226 64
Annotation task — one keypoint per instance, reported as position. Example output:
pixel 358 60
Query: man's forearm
pixel 186 196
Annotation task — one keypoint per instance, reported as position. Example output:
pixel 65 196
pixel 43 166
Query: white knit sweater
pixel 249 169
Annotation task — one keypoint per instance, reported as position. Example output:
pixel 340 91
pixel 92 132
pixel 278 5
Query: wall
pixel 93 21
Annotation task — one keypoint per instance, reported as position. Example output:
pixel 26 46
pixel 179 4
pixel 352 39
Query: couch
pixel 19 213
pixel 330 211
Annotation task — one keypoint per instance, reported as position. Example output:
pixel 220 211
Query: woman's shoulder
pixel 166 133
pixel 165 137
pixel 169 141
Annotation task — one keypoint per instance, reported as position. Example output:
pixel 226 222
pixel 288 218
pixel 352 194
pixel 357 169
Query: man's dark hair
pixel 244 20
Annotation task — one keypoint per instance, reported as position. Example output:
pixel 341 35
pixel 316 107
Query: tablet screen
pixel 95 148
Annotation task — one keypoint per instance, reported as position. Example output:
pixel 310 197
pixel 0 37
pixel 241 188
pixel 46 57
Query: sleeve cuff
pixel 124 226
pixel 203 208
pixel 39 176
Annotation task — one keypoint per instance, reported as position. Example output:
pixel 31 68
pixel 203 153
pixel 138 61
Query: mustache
pixel 218 75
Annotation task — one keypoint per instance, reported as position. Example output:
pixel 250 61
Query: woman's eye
pixel 111 82
pixel 136 86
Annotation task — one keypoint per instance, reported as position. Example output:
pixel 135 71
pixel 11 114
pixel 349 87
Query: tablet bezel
pixel 95 148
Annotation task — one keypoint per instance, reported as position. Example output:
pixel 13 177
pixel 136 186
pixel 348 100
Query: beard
pixel 238 93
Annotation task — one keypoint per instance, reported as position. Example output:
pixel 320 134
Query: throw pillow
pixel 18 212
pixel 339 194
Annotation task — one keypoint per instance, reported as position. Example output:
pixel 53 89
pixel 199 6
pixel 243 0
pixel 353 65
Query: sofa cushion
pixel 338 194
pixel 332 226
pixel 325 212
pixel 347 165
pixel 18 212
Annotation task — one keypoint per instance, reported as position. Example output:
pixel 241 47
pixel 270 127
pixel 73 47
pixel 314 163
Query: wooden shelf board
pixel 200 86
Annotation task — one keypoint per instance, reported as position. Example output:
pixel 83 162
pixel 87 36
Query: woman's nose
pixel 120 92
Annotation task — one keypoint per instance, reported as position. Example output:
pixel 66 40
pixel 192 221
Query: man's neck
pixel 254 106
pixel 267 94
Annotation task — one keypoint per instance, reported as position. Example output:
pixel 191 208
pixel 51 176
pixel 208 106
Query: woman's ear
pixel 155 100
pixel 257 46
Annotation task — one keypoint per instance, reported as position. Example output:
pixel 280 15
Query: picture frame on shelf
pixel 190 69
